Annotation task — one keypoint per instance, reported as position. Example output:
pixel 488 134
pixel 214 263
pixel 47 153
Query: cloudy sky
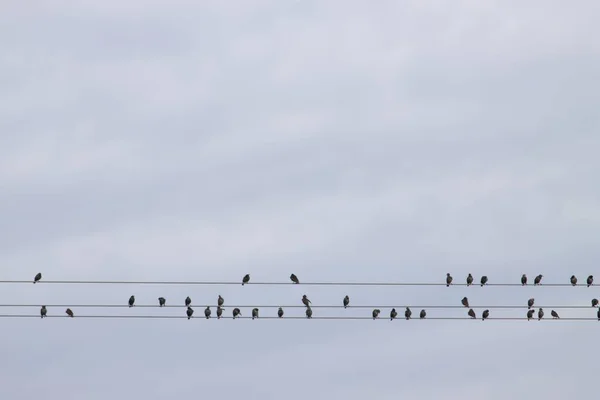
pixel 352 141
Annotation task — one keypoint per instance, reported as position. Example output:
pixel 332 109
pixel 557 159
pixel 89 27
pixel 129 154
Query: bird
pixel 393 314
pixel 484 280
pixel 407 313
pixel 540 314
pixel 530 314
pixel 594 302
pixel 189 312
pixel 207 312
pixel 523 279
pixel 530 302
pixel 37 278
pixel 306 301
pixel 486 313
pixel 376 313
pixel 219 312
pixel 131 301
pixel 69 312
pixel 590 280
pixel 573 280
pixel 599 314
pixel 294 278
pixel 280 312
pixel 554 314
pixel 472 313
pixel 469 280
pixel 236 313
pixel 246 279
pixel 188 301
pixel 254 313
pixel 220 301
pixel 309 312
pixel 162 301
pixel 423 314
pixel 465 302
pixel 538 279
pixel 346 301
pixel 448 279
pixel 43 311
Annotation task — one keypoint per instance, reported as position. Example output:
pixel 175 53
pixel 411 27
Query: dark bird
pixel 423 314
pixel 484 280
pixel 69 312
pixel 294 278
pixel 590 280
pixel 393 314
pixel 346 301
pixel 188 301
pixel 131 301
pixel 469 280
pixel 538 279
pixel 554 314
pixel 254 313
pixel 246 279
pixel 189 312
pixel 472 313
pixel 465 302
pixel 162 301
pixel 37 277
pixel 376 313
pixel 236 313
pixel 530 314
pixel 207 312
pixel 594 302
pixel 448 279
pixel 540 314
pixel 306 301
pixel 530 302
pixel 486 313
pixel 280 312
pixel 407 313
pixel 219 312
pixel 309 312
pixel 43 311
pixel 573 280
pixel 523 279
pixel 599 314
pixel 220 301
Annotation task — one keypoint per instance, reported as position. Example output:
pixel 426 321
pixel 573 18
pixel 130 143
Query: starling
pixel 294 278
pixel 37 277
pixel 469 280
pixel 540 314
pixel 530 302
pixel 189 312
pixel 188 301
pixel 393 314
pixel 207 312
pixel 309 312
pixel 306 301
pixel 346 301
pixel 590 280
pixel 246 279
pixel 530 314
pixel 484 280
pixel 254 313
pixel 554 314
pixel 486 313
pixel 69 312
pixel 465 302
pixel 220 301
pixel 538 279
pixel 573 280
pixel 594 302
pixel 423 314
pixel 131 301
pixel 523 279
pixel 472 313
pixel 407 313
pixel 280 312
pixel 43 311
pixel 219 312
pixel 236 313
pixel 448 279
pixel 376 313
pixel 162 301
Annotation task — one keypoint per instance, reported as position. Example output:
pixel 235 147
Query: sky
pixel 390 141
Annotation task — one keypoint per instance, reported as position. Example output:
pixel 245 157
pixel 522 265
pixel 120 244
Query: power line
pixel 427 307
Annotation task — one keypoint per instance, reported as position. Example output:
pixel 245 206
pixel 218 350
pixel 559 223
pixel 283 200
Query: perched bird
pixel 538 279
pixel 306 301
pixel 346 301
pixel 472 313
pixel 236 313
pixel 43 311
pixel 69 312
pixel 599 314
pixel 530 302
pixel 465 302
pixel 189 312
pixel 294 278
pixel 37 278
pixel 309 312
pixel 162 301
pixel 573 280
pixel 220 301
pixel 448 279
pixel 590 280
pixel 407 313
pixel 594 302
pixel 486 313
pixel 423 314
pixel 254 313
pixel 188 301
pixel 484 280
pixel 469 280
pixel 131 301
pixel 393 314
pixel 376 313
pixel 219 312
pixel 540 314
pixel 246 279
pixel 280 312
pixel 207 312
pixel 523 279
pixel 530 314
pixel 554 314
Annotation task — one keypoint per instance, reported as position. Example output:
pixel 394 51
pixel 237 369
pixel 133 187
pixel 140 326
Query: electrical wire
pixel 426 307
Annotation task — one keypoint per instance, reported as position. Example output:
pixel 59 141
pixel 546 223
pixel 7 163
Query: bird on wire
pixel 465 302
pixel 393 314
pixel 554 314
pixel 246 279
pixel 530 314
pixel 530 302
pixel 448 279
pixel 219 312
pixel 346 301
pixel 254 313
pixel 599 314
pixel 189 312
pixel 162 301
pixel 590 280
pixel 484 280
pixel 309 312
pixel 37 277
pixel 407 313
pixel 69 312
pixel 220 301
pixel 469 280
pixel 540 314
pixel 131 301
pixel 306 301
pixel 376 313
pixel 523 280
pixel 280 312
pixel 294 279
pixel 43 312
pixel 236 313
pixel 594 302
pixel 188 301
pixel 485 314
pixel 538 279
pixel 573 280
pixel 207 312
pixel 472 313
pixel 423 314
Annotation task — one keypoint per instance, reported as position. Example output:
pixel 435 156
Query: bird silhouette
pixel 530 302
pixel 573 280
pixel 554 314
pixel 246 279
pixel 162 301
pixel 305 301
pixel 599 314
pixel 486 313
pixel 423 314
pixel 393 314
pixel 530 314
pixel 254 313
pixel 376 313
pixel 236 313
pixel 219 312
pixel 69 312
pixel 207 312
pixel 346 301
pixel 540 314
pixel 294 279
pixel 189 312
pixel 188 301
pixel 472 313
pixel 469 280
pixel 448 279
pixel 407 313
pixel 465 302
pixel 308 312
pixel 590 280
pixel 538 279
pixel 220 301
pixel 43 311
pixel 131 301
pixel 37 277
pixel 523 279
pixel 594 302
pixel 280 312
pixel 484 280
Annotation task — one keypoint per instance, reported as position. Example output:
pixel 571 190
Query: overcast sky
pixel 352 141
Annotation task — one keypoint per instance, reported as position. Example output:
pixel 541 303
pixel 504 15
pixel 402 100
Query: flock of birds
pixel 346 302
